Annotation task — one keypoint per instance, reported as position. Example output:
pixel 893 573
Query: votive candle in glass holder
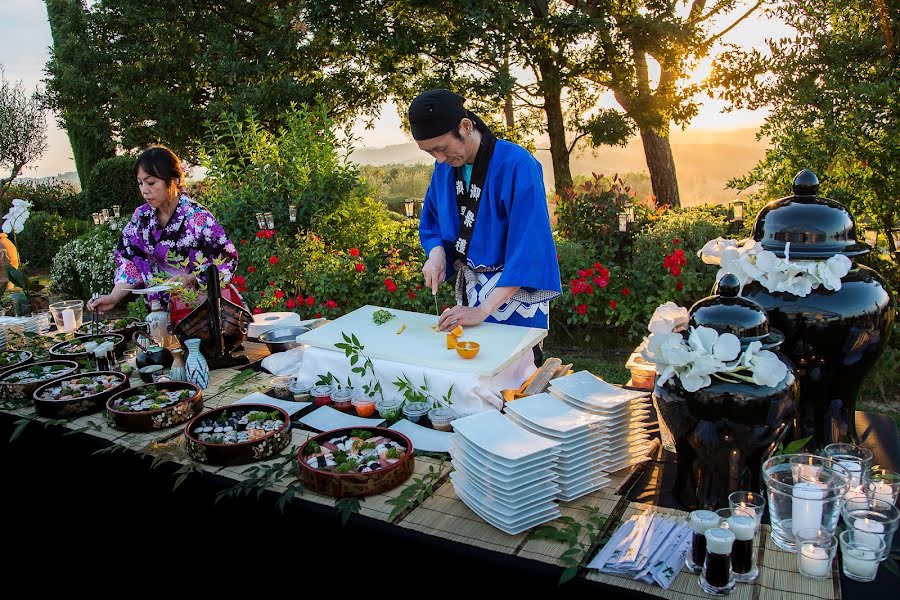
pixel 855 459
pixel 270 220
pixel 873 520
pixel 885 484
pixel 749 503
pixel 859 558
pixel 817 551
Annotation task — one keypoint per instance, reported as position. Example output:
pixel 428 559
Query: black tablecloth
pixel 73 519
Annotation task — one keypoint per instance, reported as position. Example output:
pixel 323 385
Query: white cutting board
pixel 421 345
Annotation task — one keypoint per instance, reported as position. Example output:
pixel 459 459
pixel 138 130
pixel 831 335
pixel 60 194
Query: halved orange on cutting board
pixel 457 331
pixel 467 349
pixel 451 341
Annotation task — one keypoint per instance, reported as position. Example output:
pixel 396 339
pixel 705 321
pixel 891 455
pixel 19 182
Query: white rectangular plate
pixel 326 418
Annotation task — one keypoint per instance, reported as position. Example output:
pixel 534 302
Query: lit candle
pixel 743 527
pixel 746 510
pixel 855 470
pixel 68 317
pixel 856 494
pixel 806 506
pixel 814 561
pixel 868 532
pixel 861 563
pixel 884 492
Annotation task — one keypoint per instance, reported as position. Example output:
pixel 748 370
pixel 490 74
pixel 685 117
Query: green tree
pixel 72 88
pixel 166 67
pixel 23 130
pixel 675 34
pixel 833 89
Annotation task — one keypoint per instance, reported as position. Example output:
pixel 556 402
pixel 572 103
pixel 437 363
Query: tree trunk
pixel 658 153
pixel 559 151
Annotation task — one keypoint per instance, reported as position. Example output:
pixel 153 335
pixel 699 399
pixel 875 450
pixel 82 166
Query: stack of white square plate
pixel 623 432
pixel 504 473
pixel 582 452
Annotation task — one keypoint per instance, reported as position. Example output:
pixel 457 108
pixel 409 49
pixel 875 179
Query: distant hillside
pixel 704 160
pixel 69 177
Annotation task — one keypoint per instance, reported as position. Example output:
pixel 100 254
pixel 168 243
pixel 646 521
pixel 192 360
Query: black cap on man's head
pixel 434 113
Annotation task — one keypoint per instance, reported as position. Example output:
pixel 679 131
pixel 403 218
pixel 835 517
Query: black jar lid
pixel 816 227
pixel 727 312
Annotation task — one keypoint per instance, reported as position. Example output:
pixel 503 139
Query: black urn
pixel 724 432
pixel 833 337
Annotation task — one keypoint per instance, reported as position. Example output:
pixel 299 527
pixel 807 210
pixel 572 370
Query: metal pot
pixel 282 338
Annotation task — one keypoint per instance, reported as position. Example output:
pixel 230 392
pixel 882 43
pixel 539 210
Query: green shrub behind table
pixel 111 182
pixel 251 169
pixel 53 196
pixel 589 214
pixel 86 264
pixel 378 264
pixel 44 234
pixel 651 283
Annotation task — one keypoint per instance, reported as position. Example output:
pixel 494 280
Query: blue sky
pixel 24 49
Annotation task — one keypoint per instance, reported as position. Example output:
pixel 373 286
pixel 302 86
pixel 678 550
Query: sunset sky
pixel 24 49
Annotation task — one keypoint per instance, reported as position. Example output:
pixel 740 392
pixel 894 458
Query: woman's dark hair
pixel 162 163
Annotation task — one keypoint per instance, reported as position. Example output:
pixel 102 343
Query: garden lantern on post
pixel 737 210
pixel 270 221
pixel 96 218
pixel 292 213
pixel 623 222
pixel 629 212
pixel 116 211
pixel 409 207
pixel 261 220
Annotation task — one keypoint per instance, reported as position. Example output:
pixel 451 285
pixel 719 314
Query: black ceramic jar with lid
pixel 833 337
pixel 724 431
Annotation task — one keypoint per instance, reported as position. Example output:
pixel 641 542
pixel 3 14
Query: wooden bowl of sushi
pixel 10 359
pixel 355 461
pixel 156 406
pixel 74 349
pixel 78 395
pixel 239 434
pixel 21 382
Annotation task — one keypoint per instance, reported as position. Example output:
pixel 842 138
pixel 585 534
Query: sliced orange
pixel 467 349
pixel 457 331
pixel 451 341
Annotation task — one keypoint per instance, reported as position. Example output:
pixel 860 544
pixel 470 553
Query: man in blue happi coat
pixel 484 220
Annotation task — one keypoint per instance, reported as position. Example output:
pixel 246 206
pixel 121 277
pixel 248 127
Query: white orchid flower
pixel 833 270
pixel 727 347
pixel 768 369
pixel 669 317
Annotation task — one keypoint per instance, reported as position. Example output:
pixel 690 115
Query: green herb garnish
pixel 381 316
pixel 312 448
pixel 392 453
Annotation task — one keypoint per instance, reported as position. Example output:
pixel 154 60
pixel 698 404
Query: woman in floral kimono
pixel 170 235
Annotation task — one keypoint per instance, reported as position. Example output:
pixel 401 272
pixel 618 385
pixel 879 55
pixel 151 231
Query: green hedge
pixel 111 182
pixel 44 234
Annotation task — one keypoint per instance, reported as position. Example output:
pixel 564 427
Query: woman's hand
pixel 102 303
pixel 462 315
pixel 435 268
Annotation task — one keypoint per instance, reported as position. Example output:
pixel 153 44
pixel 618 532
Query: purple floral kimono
pixel 146 248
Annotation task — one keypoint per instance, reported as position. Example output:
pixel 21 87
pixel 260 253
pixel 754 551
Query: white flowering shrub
pixel 86 264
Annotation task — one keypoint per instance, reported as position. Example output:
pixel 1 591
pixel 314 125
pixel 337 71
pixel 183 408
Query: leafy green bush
pixel 111 182
pixel 365 224
pixel 251 169
pixel 86 264
pixel 44 234
pixel 589 214
pixel 683 278
pixel 53 196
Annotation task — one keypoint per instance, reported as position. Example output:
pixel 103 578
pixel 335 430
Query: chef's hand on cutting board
pixel 462 315
pixel 435 268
